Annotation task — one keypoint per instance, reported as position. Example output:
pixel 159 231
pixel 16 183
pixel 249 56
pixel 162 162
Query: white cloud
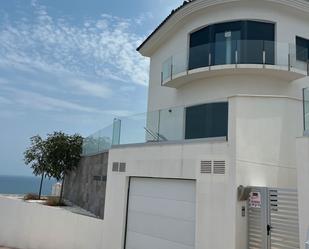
pixel 3 81
pixel 5 101
pixel 45 103
pixel 103 47
pixel 90 88
pixel 37 101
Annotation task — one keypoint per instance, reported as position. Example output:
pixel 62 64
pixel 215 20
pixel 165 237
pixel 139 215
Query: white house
pixel 225 110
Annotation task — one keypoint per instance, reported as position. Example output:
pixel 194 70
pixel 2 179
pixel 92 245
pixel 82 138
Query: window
pixel 217 44
pixel 302 49
pixel 207 120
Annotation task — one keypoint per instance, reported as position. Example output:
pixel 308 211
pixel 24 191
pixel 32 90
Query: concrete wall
pixel 33 226
pixel 86 185
pixel 302 148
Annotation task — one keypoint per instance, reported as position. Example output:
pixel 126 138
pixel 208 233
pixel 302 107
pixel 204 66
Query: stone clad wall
pixel 86 185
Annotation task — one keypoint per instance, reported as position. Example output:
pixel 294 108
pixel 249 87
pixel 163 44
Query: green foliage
pixel 35 155
pixel 55 156
pixel 63 153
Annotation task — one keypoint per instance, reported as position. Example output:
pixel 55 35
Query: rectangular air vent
pixel 97 178
pixel 219 167
pixel 206 167
pixel 115 166
pixel 122 167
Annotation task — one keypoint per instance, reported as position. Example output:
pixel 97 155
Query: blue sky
pixel 64 63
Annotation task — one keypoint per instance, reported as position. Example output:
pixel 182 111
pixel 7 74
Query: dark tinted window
pixel 302 49
pixel 222 40
pixel 206 121
pixel 258 37
pixel 199 48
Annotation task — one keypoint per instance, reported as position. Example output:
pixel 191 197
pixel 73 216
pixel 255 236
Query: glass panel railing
pixel 99 141
pixel 174 65
pixel 306 111
pixel 166 73
pixel 199 57
pixel 180 61
pixel 299 58
pixel 161 125
pixel 171 124
pixel 234 52
pixel 138 128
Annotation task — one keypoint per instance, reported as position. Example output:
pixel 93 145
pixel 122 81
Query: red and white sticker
pixel 255 200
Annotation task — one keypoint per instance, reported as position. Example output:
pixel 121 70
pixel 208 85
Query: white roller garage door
pixel 161 214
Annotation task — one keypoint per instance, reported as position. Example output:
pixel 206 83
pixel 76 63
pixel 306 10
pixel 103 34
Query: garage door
pixel 161 214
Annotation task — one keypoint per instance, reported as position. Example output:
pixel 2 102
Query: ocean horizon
pixel 19 185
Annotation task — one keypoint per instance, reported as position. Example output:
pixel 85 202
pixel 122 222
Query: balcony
pixel 280 60
pixel 173 125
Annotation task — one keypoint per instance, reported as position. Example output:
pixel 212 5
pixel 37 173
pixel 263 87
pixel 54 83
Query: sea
pixel 19 185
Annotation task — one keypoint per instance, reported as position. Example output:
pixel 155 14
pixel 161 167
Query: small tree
pixel 63 153
pixel 35 156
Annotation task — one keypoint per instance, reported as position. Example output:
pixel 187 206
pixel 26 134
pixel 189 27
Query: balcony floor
pixel 281 72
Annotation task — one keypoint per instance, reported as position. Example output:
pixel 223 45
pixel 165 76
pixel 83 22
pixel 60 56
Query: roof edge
pixel 191 6
pixel 163 22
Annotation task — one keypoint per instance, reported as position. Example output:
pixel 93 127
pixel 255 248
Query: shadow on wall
pixel 86 186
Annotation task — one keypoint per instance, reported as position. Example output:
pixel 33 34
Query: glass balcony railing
pixel 235 52
pixel 306 111
pixel 156 126
pixel 204 121
pixel 99 141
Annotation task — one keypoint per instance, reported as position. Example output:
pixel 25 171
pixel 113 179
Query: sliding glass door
pixel 225 47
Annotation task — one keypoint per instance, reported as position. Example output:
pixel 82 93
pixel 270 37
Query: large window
pixel 248 42
pixel 206 121
pixel 302 49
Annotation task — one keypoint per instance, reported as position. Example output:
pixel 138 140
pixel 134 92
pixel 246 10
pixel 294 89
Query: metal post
pixel 236 54
pixel 264 55
pixel 289 61
pixel 161 78
pixel 159 121
pixel 209 60
pixel 304 110
pixel 172 69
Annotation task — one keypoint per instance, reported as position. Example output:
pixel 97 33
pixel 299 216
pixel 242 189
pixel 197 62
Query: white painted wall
pixel 289 23
pixel 265 132
pixel 34 226
pixel 214 194
pixel 260 152
pixel 302 148
pixel 262 130
pixel 266 129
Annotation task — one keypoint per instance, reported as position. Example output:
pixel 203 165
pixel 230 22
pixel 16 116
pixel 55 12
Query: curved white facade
pixel 289 23
pixel 265 115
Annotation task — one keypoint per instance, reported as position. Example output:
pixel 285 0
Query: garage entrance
pixel 161 214
pixel 273 219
